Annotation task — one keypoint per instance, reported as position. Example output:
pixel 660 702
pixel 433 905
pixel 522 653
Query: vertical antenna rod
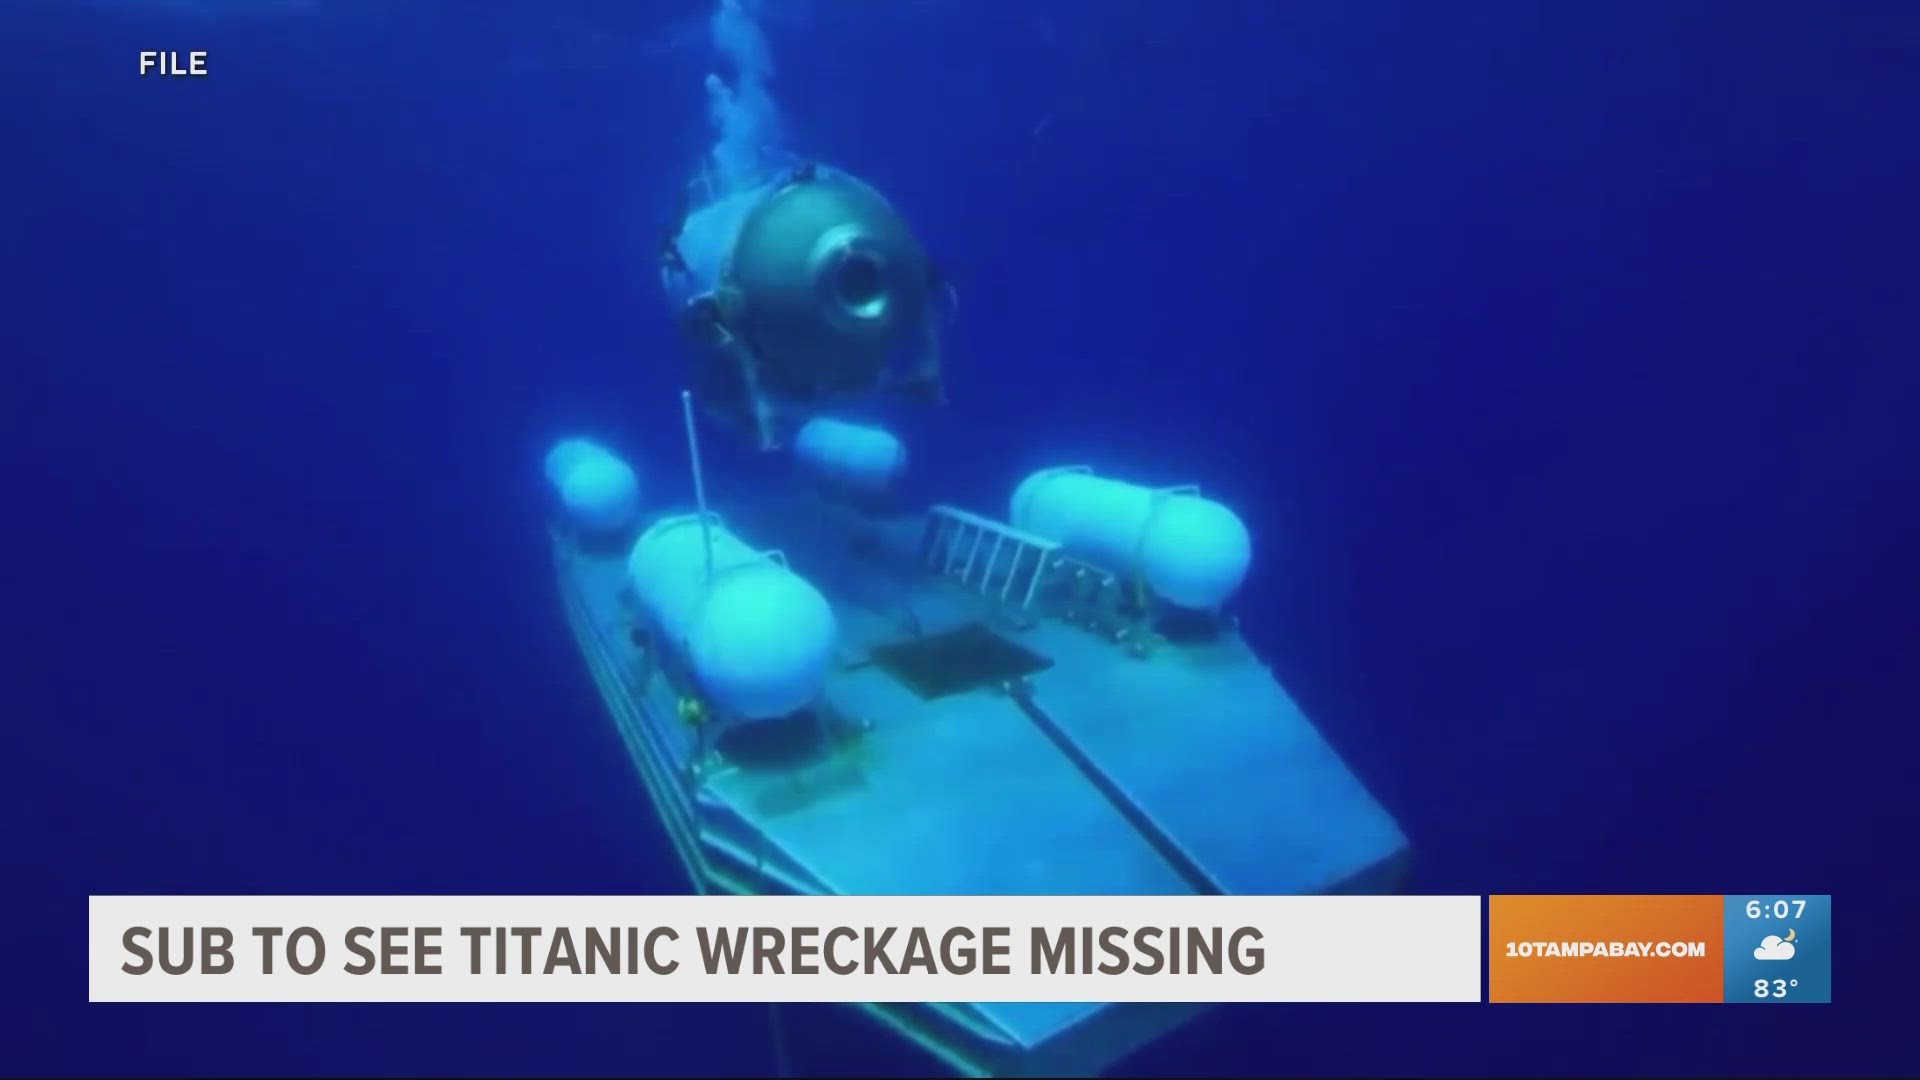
pixel 699 482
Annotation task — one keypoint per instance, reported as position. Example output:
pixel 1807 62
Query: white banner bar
pixel 784 948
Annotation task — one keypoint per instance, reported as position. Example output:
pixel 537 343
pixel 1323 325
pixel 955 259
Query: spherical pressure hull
pixel 803 289
pixel 830 283
pixel 705 243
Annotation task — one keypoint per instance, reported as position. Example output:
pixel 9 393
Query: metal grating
pixel 969 658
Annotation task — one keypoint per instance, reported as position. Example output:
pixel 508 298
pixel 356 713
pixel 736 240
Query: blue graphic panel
pixel 1779 948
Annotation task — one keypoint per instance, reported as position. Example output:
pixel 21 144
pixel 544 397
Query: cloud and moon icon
pixel 1775 947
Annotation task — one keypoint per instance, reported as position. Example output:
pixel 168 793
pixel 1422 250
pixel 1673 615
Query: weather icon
pixel 1775 947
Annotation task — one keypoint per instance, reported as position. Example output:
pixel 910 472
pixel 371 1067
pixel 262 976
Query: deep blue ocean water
pixel 1561 358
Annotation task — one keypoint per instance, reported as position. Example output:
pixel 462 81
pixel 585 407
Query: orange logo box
pixel 1605 948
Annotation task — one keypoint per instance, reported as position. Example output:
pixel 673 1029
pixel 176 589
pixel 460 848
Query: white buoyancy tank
pixel 757 636
pixel 865 459
pixel 1192 551
pixel 599 491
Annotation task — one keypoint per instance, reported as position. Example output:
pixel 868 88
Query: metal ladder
pixel 953 543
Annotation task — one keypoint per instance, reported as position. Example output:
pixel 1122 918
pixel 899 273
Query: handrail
pixel 947 531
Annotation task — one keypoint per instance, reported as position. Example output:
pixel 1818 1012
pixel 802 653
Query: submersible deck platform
pixel 992 722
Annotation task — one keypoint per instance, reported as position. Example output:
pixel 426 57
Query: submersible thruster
pixel 803 289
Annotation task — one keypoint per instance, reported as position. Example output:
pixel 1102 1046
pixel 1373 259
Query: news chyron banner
pixel 1761 948
pixel 880 949
pixel 1766 949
